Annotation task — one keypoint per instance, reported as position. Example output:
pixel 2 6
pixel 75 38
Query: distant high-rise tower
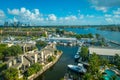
pixel 15 24
pixel 6 24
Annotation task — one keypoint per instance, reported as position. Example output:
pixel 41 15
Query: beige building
pixel 105 52
pixel 47 51
pixel 22 62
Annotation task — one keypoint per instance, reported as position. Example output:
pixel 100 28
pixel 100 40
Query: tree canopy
pixel 94 62
pixel 34 69
pixel 79 36
pixel 93 69
pixel 10 74
pixel 13 50
pixel 41 43
pixel 117 60
pixel 2 48
pixel 84 53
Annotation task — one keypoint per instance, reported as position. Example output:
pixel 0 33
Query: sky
pixel 60 12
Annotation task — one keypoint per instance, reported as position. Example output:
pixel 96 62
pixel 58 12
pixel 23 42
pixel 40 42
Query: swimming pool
pixel 110 74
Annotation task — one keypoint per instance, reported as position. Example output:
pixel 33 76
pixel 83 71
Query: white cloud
pixel 117 11
pixel 71 17
pixel 81 16
pixel 52 17
pixel 116 16
pixel 13 12
pixel 34 16
pixel 2 17
pixel 104 5
pixel 109 20
pixel 15 20
pixel 104 9
pixel 90 16
pixel 23 10
pixel 108 15
pixel 2 14
pixel 26 15
pixel 37 11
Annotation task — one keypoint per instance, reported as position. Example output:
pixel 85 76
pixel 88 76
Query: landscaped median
pixel 46 66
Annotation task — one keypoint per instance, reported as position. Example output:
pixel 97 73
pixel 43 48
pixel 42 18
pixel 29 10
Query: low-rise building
pixel 22 62
pixel 105 52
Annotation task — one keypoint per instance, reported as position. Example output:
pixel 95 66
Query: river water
pixel 60 68
pixel 111 35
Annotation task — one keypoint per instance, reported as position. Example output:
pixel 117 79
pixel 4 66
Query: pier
pixel 114 42
pixel 64 41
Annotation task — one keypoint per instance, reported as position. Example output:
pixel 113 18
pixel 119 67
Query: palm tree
pixel 88 76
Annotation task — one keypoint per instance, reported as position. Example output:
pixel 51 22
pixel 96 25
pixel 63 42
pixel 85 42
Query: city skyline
pixel 60 12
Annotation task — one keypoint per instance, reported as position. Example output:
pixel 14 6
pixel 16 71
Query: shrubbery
pixel 34 69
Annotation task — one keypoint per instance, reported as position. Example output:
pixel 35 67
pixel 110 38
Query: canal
pixel 60 68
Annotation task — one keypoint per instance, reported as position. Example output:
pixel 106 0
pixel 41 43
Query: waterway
pixel 111 35
pixel 60 68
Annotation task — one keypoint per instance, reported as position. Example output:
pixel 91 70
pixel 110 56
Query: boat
pixel 77 68
pixel 77 56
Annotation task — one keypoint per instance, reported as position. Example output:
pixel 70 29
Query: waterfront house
pixel 105 52
pixel 23 62
pixel 26 47
pixel 47 52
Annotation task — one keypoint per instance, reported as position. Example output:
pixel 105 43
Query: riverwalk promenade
pixel 45 67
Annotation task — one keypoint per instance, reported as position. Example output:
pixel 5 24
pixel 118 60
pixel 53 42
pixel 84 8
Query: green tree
pixel 2 66
pixel 84 53
pixel 57 30
pixel 14 50
pixel 87 76
pixel 78 36
pixel 94 64
pixel 104 61
pixel 90 35
pixel 34 69
pixel 37 67
pixel 41 43
pixel 10 74
pixel 2 48
pixel 55 52
pixel 50 58
pixel 97 36
pixel 117 60
pixel 114 77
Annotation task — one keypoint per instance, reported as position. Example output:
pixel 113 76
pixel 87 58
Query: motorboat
pixel 77 56
pixel 77 68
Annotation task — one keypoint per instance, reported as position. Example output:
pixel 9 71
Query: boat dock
pixel 63 40
pixel 114 42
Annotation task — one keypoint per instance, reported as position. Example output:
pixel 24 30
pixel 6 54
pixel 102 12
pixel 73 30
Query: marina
pixel 68 58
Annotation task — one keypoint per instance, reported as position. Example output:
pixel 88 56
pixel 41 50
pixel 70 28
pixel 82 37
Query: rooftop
pixel 104 51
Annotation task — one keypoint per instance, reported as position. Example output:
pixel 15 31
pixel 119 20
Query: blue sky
pixel 60 12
